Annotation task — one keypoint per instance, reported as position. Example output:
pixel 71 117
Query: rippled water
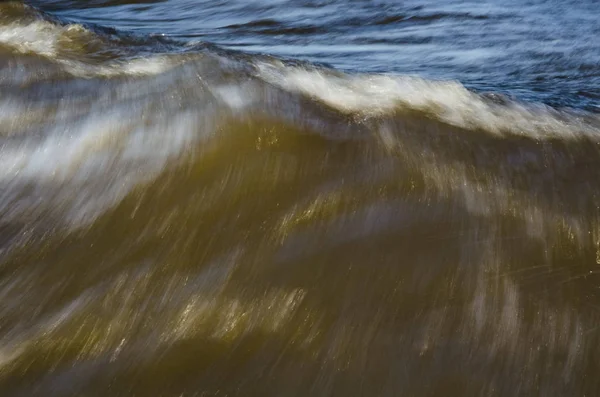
pixel 298 198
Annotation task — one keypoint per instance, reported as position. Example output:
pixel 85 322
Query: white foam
pixel 448 101
pixel 147 66
pixel 51 41
pixel 38 37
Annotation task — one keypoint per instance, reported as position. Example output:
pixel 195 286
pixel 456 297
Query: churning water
pixel 299 198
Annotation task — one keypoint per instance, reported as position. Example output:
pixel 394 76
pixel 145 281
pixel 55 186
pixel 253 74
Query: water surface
pixel 299 198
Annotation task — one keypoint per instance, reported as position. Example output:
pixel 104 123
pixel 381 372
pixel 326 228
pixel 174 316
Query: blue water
pixel 538 50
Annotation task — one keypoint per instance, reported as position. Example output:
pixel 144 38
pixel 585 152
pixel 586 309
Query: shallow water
pixel 299 198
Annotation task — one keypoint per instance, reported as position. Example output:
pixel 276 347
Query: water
pixel 298 198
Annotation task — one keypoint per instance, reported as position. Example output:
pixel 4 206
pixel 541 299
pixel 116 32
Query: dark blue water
pixel 539 50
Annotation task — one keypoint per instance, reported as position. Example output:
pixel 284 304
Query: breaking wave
pixel 150 148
